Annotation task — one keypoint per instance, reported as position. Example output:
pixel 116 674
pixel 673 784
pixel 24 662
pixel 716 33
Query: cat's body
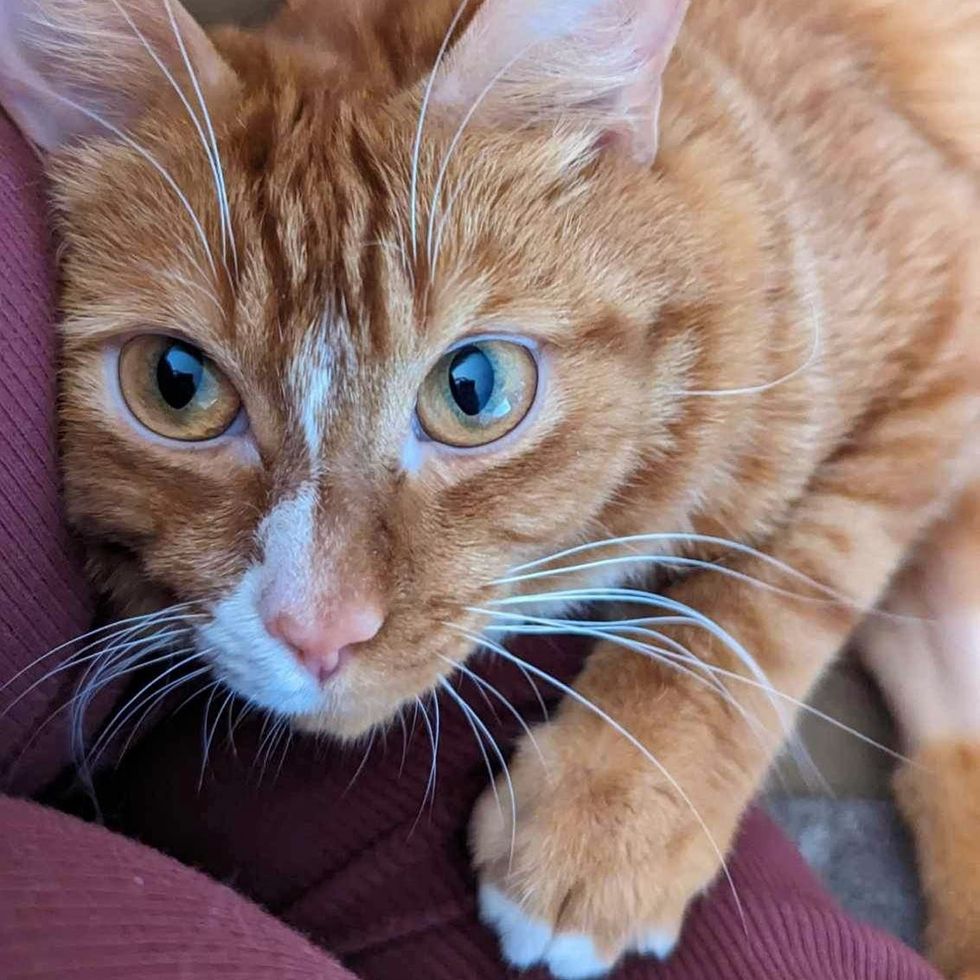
pixel 769 336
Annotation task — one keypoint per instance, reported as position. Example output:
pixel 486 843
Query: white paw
pixel 525 941
pixel 657 944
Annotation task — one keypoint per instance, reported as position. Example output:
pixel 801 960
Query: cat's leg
pixel 613 841
pixel 929 671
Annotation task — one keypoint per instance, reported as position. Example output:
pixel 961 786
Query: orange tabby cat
pixel 354 358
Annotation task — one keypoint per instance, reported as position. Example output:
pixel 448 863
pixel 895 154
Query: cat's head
pixel 338 357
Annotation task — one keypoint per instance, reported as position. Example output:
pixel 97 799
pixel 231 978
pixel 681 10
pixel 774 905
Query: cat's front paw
pixel 603 861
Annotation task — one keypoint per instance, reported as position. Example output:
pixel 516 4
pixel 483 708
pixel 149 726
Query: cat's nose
pixel 322 643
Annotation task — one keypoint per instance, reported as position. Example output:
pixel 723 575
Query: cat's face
pixel 336 428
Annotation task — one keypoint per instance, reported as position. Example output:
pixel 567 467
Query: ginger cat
pixel 396 327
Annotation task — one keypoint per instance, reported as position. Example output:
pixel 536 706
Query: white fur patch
pixel 526 941
pixel 249 660
pixel 310 377
pixel 574 957
pixel 656 943
pixel 245 656
pixel 522 939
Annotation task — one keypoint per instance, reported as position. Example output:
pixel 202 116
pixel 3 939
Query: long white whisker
pixel 227 229
pixel 153 701
pixel 124 713
pixel 210 735
pixel 475 719
pixel 457 136
pixel 112 652
pixel 661 602
pixel 404 727
pixel 683 663
pixel 467 711
pixel 153 162
pixel 667 538
pixel 668 561
pixel 637 744
pixel 677 650
pixel 107 670
pixel 132 623
pixel 476 678
pixel 183 98
pixel 423 113
pixel 277 732
pixel 363 762
pixel 768 688
pixel 430 786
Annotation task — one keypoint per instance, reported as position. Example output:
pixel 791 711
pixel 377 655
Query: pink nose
pixel 322 643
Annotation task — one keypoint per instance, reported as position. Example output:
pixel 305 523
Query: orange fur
pixel 940 797
pixel 816 181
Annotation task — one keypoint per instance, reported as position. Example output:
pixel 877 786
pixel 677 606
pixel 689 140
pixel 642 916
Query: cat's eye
pixel 478 393
pixel 175 390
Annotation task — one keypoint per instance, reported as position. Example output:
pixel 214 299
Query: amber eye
pixel 478 393
pixel 175 390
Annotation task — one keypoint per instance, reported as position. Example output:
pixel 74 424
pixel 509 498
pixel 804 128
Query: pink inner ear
pixel 73 68
pixel 600 61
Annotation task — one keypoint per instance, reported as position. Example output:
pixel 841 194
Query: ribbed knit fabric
pixel 339 850
pixel 356 867
pixel 78 901
pixel 43 599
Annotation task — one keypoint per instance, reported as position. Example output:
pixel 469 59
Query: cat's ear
pixel 72 68
pixel 598 62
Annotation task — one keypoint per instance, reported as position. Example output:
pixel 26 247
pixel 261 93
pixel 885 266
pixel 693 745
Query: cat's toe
pixel 523 939
pixel 572 956
pixel 526 941
pixel 658 943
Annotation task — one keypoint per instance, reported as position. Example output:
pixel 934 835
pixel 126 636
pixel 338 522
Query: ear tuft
pixel 598 63
pixel 74 68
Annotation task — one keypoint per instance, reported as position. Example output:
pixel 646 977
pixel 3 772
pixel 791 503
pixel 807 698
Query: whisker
pixel 210 734
pixel 101 673
pixel 475 720
pixel 277 733
pixel 679 659
pixel 214 156
pixel 472 675
pixel 721 672
pixel 404 728
pixel 153 162
pixel 423 113
pixel 133 623
pixel 679 651
pixel 113 653
pixel 155 700
pixel 286 743
pixel 430 786
pixel 363 763
pixel 666 537
pixel 180 94
pixel 637 744
pixel 126 711
pixel 658 601
pixel 457 137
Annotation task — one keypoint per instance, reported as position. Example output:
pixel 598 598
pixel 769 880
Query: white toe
pixel 523 940
pixel 656 943
pixel 573 957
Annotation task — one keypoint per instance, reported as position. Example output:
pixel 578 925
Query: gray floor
pixel 861 851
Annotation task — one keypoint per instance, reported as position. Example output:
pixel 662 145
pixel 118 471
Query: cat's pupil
pixel 471 379
pixel 179 373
